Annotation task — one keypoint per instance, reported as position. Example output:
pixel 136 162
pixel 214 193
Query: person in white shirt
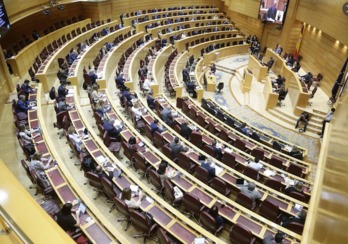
pixel 94 94
pixel 255 165
pixel 183 36
pixel 136 110
pixel 129 200
pixel 75 138
pixel 147 84
pixel 37 164
pixel 327 119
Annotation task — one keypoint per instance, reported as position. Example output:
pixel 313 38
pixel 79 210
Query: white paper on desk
pixel 218 170
pixel 199 240
pixel 287 148
pixel 101 159
pixel 192 73
pixel 288 181
pixel 269 173
pixel 298 207
pixel 227 149
pixel 160 99
pixel 218 145
pixel 71 91
pixel 149 199
pixel 134 188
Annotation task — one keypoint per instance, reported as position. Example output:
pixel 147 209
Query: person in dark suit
pixel 176 147
pixel 304 117
pixel 209 166
pixel 27 88
pixel 191 89
pixel 62 90
pixel 272 11
pixel 273 239
pixel 120 81
pixel 22 105
pixel 108 126
pixel 65 219
pixel 300 218
pixel 217 151
pixel 214 212
pixel 185 131
pixel 150 101
pixel 298 187
pixel 154 127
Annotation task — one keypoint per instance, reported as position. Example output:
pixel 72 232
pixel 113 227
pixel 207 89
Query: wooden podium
pixel 247 79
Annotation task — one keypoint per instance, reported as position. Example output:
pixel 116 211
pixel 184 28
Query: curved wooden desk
pixel 97 230
pixel 25 58
pixel 297 92
pixel 128 20
pixel 76 74
pixel 48 74
pixel 255 66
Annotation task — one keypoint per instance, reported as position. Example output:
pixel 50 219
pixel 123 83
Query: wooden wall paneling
pixel 322 53
pixel 246 7
pixel 327 15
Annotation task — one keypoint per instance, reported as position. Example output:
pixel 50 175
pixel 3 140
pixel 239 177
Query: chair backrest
pixel 93 179
pixel 295 170
pixel 139 221
pixel 139 161
pixel 250 172
pixel 244 200
pixel 148 132
pixel 168 191
pixel 296 227
pixel 121 206
pixel 126 150
pixel 269 210
pixel 240 144
pixel 167 151
pixel 220 186
pixel 158 140
pixel 209 150
pixel 27 171
pixel 274 184
pixel 276 146
pixel 60 117
pixel 297 195
pixel 184 162
pixel 220 86
pixel 202 174
pixel 229 159
pixel 201 120
pixel 179 102
pixel 276 162
pixel 208 222
pixel 196 139
pixel 162 237
pixel 108 188
pixel 106 139
pixel 258 153
pixel 155 179
pixel 192 203
pixel 239 234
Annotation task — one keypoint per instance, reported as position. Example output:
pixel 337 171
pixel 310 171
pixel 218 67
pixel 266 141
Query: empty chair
pixel 156 181
pixel 196 139
pixel 114 147
pixel 297 195
pixel 185 162
pixel 122 207
pixel 43 185
pixel 276 146
pixel 165 238
pixel 192 204
pixel 270 211
pixel 158 140
pixel 258 153
pixel 168 193
pixel 202 174
pixel 220 186
pixel 60 124
pixel 94 180
pixel 140 222
pixel 110 191
pixel 209 223
pixel 240 144
pixel 295 170
pixel 139 162
pixel 274 184
pixel 245 201
pixel 296 227
pixel 276 162
pixel 239 234
pixel 229 159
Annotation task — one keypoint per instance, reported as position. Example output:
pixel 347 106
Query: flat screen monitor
pixel 4 22
pixel 273 11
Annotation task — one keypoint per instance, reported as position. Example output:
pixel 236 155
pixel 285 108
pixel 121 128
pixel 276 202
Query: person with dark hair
pixel 129 199
pixel 132 141
pixel 327 119
pixel 191 89
pixel 26 88
pixel 304 117
pixel 297 67
pixel 298 187
pixel 209 165
pixel 72 56
pixel 65 219
pixel 185 131
pixel 108 126
pixel 62 90
pixel 120 81
pixel 22 106
pixel 161 171
pixel 273 239
pixel 296 153
pixel 300 218
pixel 251 191
pixel 126 94
pixel 150 101
pixel 176 147
pixel 154 127
pixel 214 212
pixel 255 164
pixel 62 106
pixel 217 150
pixel 272 11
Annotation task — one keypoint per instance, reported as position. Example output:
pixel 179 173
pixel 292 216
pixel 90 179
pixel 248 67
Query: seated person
pixel 256 165
pixel 213 69
pixel 99 171
pixel 307 77
pixel 101 109
pixel 273 239
pixel 251 191
pixel 291 60
pixel 137 109
pixel 75 138
pixel 270 63
pixel 126 94
pixel 23 106
pixel 120 81
pixel 92 76
pixel 94 93
pixel 62 106
pixel 298 187
pixel 26 88
pixel 108 126
pixel 296 153
pixel 217 150
pixel 278 82
pixel 37 165
pixel 154 127
pixel 176 147
pixel 72 56
pixel 296 68
pixel 129 198
pixel 304 117
pixel 246 131
pixel 166 116
pixel 62 75
pixel 214 212
pixel 25 135
pixel 150 101
pixel 209 165
pixel 161 171
pixel 191 89
pixel 279 50
pixel 300 218
pixel 63 90
pixel 185 131
pixel 147 84
pixel 65 220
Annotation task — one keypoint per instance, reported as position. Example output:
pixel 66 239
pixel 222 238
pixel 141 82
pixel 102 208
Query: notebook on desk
pixel 117 173
pixel 82 208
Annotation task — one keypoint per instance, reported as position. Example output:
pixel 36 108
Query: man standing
pixel 327 119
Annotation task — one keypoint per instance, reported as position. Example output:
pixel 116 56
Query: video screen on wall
pixel 273 11
pixel 4 22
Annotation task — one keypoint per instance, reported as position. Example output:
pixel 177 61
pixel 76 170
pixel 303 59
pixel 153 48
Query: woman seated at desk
pixel 65 219
pixel 214 212
pixel 75 138
pixel 95 96
pixel 37 165
pixel 25 135
pixel 101 109
pixel 129 198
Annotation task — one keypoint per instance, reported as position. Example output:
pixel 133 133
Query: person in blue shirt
pixel 120 81
pixel 128 95
pixel 92 76
pixel 150 101
pixel 154 127
pixel 22 105
pixel 108 126
pixel 62 90
pixel 26 88
pixel 72 56
pixel 208 165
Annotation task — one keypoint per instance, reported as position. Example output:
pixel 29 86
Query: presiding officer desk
pixel 163 213
pixel 98 229
pixel 48 74
pixel 21 62
pixel 298 93
pixel 168 13
pixel 86 58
